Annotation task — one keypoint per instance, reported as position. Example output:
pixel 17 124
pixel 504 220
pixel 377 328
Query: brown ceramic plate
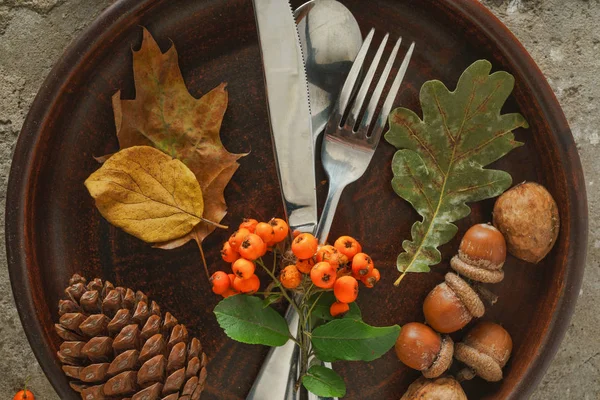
pixel 54 230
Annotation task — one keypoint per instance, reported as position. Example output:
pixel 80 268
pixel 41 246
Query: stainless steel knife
pixel 289 111
pixel 291 133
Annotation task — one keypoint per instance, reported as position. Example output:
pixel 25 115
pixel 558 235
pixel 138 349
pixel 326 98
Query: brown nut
pixel 451 305
pixel 421 348
pixel 418 346
pixel 527 216
pixel 445 388
pixel 481 254
pixel 485 350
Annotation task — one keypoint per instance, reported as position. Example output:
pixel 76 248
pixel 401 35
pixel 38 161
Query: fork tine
pixel 346 92
pixel 364 87
pixel 389 101
pixel 370 112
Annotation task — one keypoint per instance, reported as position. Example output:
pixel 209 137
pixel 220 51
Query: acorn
pixel 444 388
pixel 452 304
pixel 485 350
pixel 481 254
pixel 421 348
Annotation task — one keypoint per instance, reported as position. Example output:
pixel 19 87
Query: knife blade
pixel 292 137
pixel 289 111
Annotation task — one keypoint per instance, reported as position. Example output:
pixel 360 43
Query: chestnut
pixel 481 254
pixel 421 348
pixel 528 217
pixel 485 350
pixel 451 305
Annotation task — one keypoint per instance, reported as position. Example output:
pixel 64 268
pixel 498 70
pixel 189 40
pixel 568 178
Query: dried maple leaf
pixel 165 115
pixel 147 194
pixel 439 167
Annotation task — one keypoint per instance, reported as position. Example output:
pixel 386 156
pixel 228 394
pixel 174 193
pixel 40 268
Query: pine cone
pixel 117 345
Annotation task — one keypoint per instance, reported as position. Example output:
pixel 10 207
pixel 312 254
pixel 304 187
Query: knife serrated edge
pixel 301 51
pixel 301 209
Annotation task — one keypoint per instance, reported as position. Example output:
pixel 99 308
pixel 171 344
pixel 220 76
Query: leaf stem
pixel 276 281
pixel 203 261
pixel 213 223
pixel 397 283
pixel 313 306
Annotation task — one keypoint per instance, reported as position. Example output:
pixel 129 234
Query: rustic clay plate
pixel 54 230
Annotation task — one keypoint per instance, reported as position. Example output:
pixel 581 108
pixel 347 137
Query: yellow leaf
pixel 148 194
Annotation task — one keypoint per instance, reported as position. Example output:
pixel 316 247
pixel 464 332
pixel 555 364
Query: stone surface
pixel 562 36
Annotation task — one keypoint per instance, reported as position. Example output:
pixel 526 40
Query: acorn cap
pixel 443 360
pixel 484 366
pixel 476 273
pixel 466 294
pixel 485 349
pixel 490 339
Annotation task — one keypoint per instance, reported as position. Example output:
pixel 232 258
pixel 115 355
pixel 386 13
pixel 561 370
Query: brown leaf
pixel 148 194
pixel 214 206
pixel 165 115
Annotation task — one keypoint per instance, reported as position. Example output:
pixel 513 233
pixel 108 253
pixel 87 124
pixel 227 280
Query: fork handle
pixel 331 203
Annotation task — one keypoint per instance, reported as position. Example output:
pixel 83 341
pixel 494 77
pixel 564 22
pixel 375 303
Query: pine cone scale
pixel 118 345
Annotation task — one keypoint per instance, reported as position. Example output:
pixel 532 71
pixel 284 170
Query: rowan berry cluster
pixel 246 245
pixel 338 267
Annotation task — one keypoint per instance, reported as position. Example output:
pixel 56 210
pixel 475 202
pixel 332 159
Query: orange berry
pixel 331 255
pixel 348 246
pixel 229 292
pixel 24 395
pixel 237 237
pixel 265 231
pixel 243 268
pixel 249 223
pixel 295 233
pixel 361 265
pixel 265 247
pixel 252 247
pixel 290 277
pixel 231 279
pixel 305 266
pixel 249 285
pixel 344 271
pixel 228 254
pixel 281 229
pixel 323 275
pixel 304 246
pixel 220 282
pixel 345 289
pixel 371 278
pixel 338 309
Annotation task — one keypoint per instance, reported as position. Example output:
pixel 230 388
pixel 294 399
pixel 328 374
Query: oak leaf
pixel 439 166
pixel 166 116
pixel 147 194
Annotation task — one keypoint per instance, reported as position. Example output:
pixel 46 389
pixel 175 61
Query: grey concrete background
pixel 563 36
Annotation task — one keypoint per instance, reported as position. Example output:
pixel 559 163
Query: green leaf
pixel 324 382
pixel 352 340
pixel 324 302
pixel 272 298
pixel 243 318
pixel 439 167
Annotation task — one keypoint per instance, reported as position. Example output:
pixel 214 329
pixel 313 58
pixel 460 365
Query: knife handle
pixel 279 372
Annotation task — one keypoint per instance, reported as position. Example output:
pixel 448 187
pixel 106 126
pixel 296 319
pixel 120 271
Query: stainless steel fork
pixel 348 145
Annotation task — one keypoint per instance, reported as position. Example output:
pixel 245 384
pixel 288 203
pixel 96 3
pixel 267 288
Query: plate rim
pixel 118 13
